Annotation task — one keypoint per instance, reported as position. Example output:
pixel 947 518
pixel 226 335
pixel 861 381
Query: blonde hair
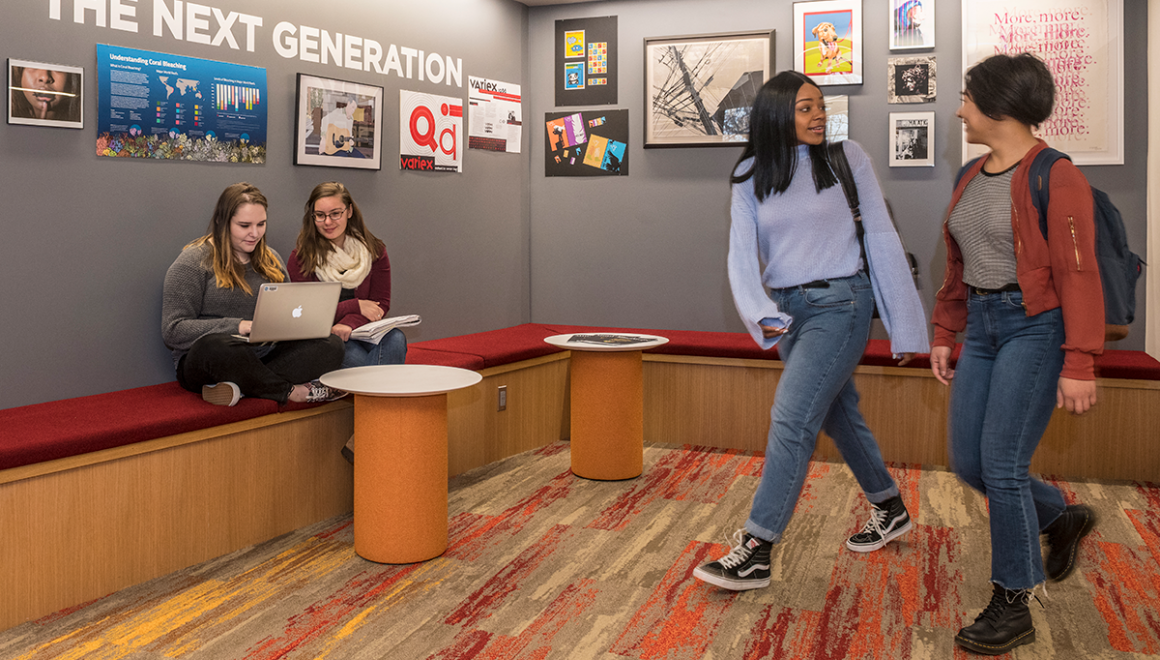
pixel 228 271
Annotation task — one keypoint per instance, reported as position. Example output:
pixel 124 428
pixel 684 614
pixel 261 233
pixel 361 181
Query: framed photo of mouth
pixel 41 94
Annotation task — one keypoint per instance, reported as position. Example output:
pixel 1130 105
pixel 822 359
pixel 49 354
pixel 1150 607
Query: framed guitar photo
pixel 338 123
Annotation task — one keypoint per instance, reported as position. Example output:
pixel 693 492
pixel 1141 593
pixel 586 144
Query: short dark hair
pixel 773 139
pixel 1016 86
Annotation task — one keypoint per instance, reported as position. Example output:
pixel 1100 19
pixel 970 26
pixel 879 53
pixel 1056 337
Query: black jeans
pixel 262 371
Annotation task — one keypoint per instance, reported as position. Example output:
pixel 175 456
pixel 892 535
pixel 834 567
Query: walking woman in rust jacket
pixel 1032 312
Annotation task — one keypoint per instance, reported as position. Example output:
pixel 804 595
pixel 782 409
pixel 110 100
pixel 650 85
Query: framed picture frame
pixel 827 41
pixel 910 79
pixel 338 123
pixel 699 89
pixel 912 139
pixel 1088 122
pixel 837 118
pixel 911 24
pixel 43 94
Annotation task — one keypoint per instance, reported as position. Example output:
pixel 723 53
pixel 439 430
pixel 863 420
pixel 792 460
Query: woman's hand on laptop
pixel 370 309
pixel 342 330
pixel 244 327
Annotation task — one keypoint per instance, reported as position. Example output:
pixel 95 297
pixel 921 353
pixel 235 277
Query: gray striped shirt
pixel 981 224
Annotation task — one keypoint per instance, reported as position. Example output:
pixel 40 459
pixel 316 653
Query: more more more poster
pixel 586 68
pixel 587 143
pixel 157 105
pixel 430 132
pixel 1081 42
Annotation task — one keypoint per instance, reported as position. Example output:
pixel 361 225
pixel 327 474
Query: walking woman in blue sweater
pixel 800 280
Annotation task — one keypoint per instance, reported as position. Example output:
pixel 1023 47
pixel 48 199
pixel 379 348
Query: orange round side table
pixel 400 477
pixel 607 402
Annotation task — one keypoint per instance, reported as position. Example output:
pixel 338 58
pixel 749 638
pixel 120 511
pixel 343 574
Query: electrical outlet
pixel 502 401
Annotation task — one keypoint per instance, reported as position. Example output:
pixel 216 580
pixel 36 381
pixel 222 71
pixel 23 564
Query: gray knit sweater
pixel 193 306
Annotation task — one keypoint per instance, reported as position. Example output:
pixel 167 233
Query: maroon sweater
pixel 376 287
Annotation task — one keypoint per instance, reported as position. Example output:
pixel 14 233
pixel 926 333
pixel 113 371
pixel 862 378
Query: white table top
pixel 566 341
pixel 400 379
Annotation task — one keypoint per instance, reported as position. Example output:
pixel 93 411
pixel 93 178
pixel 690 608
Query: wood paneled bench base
pixel 725 402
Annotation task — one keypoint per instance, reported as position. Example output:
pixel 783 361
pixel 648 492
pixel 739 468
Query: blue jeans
pixel 824 343
pixel 392 349
pixel 1002 398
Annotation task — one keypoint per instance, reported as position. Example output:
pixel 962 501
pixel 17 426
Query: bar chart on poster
pixel 158 105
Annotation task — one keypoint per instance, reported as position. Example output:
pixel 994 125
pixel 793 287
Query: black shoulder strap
pixel 840 165
pixel 1040 180
pixel 963 170
pixel 841 168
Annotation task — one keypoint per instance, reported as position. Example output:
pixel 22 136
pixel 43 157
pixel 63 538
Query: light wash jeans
pixel 1002 398
pixel 825 342
pixel 391 350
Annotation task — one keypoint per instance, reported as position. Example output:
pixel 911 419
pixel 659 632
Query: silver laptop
pixel 294 310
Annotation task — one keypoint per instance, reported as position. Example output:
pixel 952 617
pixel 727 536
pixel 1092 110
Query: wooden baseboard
pixel 91 527
pixel 725 402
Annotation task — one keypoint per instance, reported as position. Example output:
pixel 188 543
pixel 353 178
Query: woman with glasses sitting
pixel 336 246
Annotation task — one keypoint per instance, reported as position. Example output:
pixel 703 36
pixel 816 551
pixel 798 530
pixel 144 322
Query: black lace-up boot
pixel 1005 624
pixel 1063 537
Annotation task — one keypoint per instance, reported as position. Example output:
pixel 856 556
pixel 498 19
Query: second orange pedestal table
pixel 607 403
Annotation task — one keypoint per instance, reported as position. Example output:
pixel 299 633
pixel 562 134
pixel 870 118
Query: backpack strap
pixel 963 170
pixel 840 165
pixel 1040 181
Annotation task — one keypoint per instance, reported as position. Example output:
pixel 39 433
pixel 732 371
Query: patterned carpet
pixel 546 565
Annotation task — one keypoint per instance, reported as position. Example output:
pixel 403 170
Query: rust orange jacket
pixel 1058 272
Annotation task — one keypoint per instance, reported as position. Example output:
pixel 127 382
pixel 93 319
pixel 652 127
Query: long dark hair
pixel 773 140
pixel 314 250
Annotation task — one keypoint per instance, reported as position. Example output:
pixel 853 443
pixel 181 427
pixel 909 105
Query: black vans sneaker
pixel 745 567
pixel 888 521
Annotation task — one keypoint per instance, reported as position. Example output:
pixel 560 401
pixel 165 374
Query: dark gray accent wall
pixel 87 240
pixel 649 250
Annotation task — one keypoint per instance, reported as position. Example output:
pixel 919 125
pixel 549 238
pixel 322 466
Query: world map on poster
pixel 164 106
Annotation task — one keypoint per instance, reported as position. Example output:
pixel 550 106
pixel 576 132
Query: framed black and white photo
pixel 338 123
pixel 699 89
pixel 912 139
pixel 41 94
pixel 910 80
pixel 911 24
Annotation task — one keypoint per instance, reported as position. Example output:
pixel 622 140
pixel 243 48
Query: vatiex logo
pixel 430 137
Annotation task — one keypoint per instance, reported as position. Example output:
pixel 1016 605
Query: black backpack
pixel 1120 268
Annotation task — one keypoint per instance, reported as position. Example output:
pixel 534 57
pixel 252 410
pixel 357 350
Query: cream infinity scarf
pixel 348 266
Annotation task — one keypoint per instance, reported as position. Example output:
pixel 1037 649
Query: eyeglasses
pixel 334 215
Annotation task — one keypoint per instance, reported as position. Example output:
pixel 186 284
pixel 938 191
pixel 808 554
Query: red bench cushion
pixel 58 429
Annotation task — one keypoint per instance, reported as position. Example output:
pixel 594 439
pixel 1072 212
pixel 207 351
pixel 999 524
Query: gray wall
pixel 649 250
pixel 87 240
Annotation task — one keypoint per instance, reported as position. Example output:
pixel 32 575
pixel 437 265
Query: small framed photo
pixel 837 118
pixel 700 89
pixel 338 123
pixel 910 80
pixel 827 41
pixel 912 139
pixel 911 24
pixel 41 94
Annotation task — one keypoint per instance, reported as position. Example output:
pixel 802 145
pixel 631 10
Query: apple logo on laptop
pixel 297 312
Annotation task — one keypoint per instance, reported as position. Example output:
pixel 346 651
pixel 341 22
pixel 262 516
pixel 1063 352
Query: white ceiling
pixel 540 3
